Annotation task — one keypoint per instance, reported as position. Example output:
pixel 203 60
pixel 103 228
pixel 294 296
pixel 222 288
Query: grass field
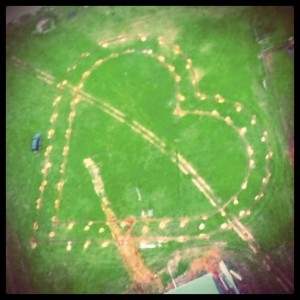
pixel 159 109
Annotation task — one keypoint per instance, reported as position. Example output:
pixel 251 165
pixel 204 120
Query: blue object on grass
pixel 36 142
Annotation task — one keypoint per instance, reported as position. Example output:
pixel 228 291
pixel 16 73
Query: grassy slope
pixel 277 104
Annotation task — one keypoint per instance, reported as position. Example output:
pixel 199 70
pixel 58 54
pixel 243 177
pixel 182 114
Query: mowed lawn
pixel 225 55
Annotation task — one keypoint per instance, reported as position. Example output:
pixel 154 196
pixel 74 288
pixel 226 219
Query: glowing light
pixel 145 229
pixel 48 150
pixel 162 225
pixel 56 100
pixel 223 214
pixel 71 116
pixel 98 62
pixel 181 239
pixel 68 133
pixel 180 97
pixel 53 117
pixel 215 113
pixel 250 150
pixel 43 184
pixel 57 204
pixel 204 236
pixel 80 85
pixel 177 78
pixel 176 49
pixel 251 164
pixel 114 55
pixel 224 226
pixel 171 68
pixel 69 246
pixel 253 121
pixel 228 120
pixel 160 40
pixel 33 244
pixel 238 107
pixel 75 101
pixel 38 203
pixel 244 185
pixel 48 165
pixel 260 195
pixel 105 244
pixel 71 225
pixel 86 244
pixel 62 168
pixel 65 150
pixel 35 226
pixel 54 219
pixel 242 213
pixel 85 54
pixel 201 226
pixel 161 58
pixel 51 133
pixel 60 185
pixel 86 74
pixel 183 223
pixel 243 131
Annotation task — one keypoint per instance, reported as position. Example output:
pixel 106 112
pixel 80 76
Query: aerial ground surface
pixel 167 147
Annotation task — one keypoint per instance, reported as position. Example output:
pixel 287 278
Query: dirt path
pixel 208 263
pixel 142 277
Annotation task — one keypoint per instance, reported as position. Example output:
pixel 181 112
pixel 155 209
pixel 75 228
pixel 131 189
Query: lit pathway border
pixel 177 158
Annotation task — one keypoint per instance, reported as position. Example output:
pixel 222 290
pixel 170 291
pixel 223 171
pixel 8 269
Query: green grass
pixel 221 43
